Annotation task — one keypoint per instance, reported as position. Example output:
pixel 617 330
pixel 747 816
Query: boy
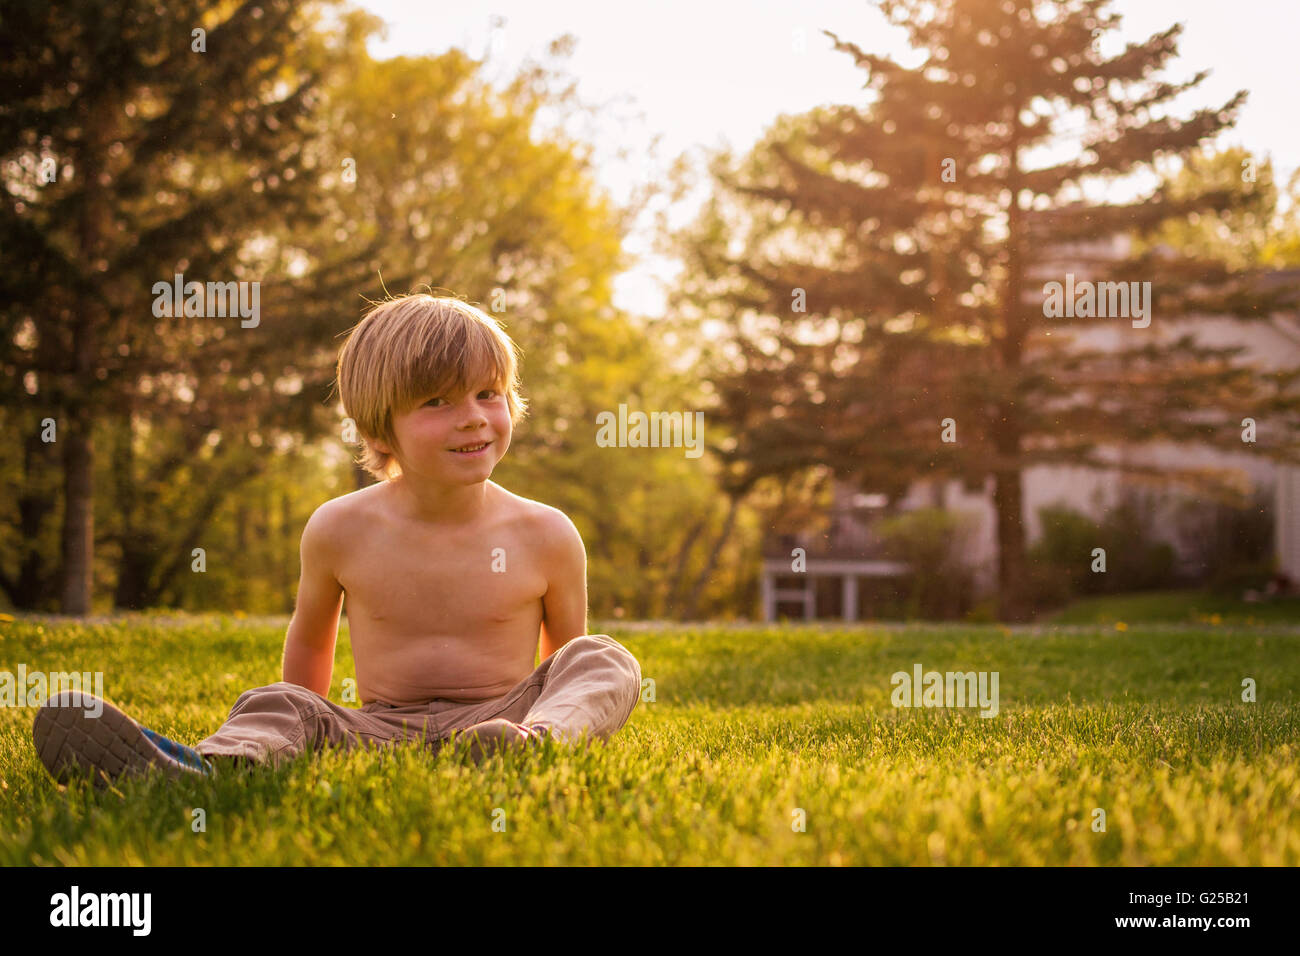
pixel 449 580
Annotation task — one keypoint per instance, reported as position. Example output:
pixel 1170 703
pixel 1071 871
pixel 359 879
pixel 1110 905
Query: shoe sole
pixel 72 744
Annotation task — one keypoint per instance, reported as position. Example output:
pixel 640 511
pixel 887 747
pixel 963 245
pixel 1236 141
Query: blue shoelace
pixel 186 756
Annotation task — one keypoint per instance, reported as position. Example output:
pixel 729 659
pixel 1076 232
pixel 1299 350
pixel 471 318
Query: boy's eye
pixel 489 392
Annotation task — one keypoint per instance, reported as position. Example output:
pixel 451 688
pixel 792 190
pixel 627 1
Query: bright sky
pixel 700 73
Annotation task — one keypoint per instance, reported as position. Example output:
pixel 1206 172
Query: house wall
pixel 1269 344
pixel 1287 529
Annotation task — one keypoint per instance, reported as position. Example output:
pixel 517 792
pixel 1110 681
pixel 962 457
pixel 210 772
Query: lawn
pixel 1186 606
pixel 748 726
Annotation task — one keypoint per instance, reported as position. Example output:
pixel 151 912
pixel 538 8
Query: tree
pixel 888 287
pixel 145 140
pixel 421 175
pixel 1253 232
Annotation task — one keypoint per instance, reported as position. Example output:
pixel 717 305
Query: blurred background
pixel 830 229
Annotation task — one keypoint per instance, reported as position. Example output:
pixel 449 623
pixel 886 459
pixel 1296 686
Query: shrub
pixel 933 542
pixel 1230 548
pixel 1060 562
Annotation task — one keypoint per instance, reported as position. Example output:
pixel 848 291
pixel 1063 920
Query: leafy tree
pixel 174 132
pixel 466 197
pixel 1254 232
pixel 405 172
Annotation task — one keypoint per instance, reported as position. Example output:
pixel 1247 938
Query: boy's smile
pixel 437 429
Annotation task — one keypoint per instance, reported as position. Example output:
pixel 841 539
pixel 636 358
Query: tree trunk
pixel 1011 547
pixel 78 517
pixel 1007 431
pixel 78 400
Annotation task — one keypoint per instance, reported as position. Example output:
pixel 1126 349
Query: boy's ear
pixel 380 446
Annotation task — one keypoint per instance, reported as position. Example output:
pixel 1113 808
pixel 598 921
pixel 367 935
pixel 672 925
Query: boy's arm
pixel 309 645
pixel 564 605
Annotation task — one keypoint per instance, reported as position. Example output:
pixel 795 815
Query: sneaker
pixel 71 743
pixel 492 736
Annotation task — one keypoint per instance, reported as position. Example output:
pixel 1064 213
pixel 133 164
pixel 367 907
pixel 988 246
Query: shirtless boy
pixel 450 582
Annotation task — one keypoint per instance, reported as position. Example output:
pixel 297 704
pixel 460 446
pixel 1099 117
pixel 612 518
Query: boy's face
pixel 429 434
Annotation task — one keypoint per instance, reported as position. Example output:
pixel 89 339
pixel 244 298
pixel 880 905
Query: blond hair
pixel 411 347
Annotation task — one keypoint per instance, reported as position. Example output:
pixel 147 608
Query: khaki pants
pixel 588 687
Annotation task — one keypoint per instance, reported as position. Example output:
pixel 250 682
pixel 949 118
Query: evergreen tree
pixel 146 140
pixel 890 281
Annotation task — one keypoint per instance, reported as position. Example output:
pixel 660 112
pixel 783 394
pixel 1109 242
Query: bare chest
pixel 447 588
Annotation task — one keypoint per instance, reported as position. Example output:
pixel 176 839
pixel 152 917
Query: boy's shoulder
pixel 334 519
pixel 545 519
pixel 353 504
pixel 549 530
pixel 370 502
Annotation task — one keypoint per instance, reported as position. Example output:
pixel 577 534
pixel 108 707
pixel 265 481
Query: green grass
pixel 748 724
pixel 1187 607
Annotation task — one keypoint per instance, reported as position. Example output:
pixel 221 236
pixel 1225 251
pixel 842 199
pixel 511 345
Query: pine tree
pixel 144 139
pixel 916 231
